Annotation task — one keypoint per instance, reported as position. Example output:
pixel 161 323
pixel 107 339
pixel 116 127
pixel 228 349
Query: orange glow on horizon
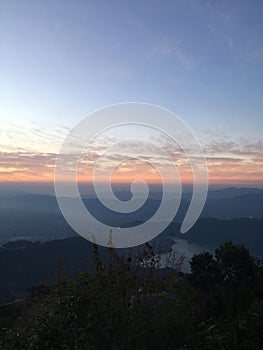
pixel 221 171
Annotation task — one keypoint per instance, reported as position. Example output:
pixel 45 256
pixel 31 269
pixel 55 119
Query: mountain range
pixel 36 240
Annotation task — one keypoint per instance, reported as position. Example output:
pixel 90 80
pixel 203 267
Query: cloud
pixel 229 161
pixel 169 48
pixel 224 160
pixel 33 139
pixel 26 166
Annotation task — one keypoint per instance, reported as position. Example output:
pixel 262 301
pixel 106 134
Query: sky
pixel 61 60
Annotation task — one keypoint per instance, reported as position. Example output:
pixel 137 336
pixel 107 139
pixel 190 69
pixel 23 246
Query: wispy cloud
pixel 173 50
pixel 229 161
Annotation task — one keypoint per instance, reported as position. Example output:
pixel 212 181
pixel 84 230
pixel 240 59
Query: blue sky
pixel 60 60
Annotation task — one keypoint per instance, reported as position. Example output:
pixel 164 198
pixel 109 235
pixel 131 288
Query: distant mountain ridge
pixel 38 217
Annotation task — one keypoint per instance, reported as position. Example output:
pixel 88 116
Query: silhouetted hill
pixel 210 232
pixel 231 192
pixel 25 264
pixel 245 205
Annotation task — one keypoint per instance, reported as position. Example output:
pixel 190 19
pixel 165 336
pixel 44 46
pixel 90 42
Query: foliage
pixel 130 303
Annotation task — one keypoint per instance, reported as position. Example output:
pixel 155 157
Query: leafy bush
pixel 130 303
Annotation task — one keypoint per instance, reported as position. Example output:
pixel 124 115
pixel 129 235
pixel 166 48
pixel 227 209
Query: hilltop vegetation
pixel 25 264
pixel 129 303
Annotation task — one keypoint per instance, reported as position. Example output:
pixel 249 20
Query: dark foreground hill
pixel 25 264
pixel 217 306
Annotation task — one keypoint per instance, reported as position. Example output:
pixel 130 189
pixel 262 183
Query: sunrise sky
pixel 61 60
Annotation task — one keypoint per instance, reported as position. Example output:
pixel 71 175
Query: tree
pixel 236 263
pixel 206 273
